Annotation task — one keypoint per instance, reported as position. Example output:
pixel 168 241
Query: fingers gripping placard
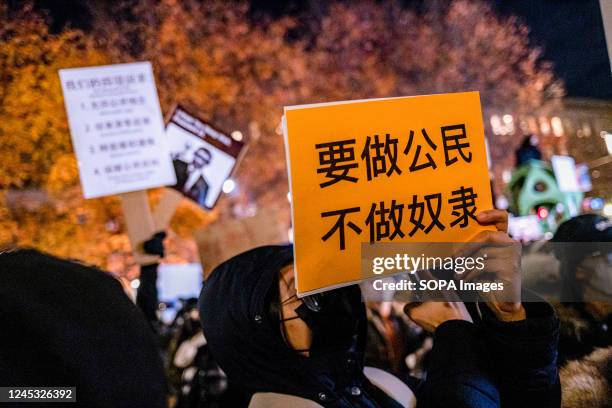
pixel 410 169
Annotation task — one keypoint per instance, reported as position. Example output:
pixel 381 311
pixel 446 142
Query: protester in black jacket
pixel 146 297
pixel 489 362
pixel 477 361
pixel 66 324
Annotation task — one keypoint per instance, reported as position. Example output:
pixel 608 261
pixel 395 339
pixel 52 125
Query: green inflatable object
pixel 533 185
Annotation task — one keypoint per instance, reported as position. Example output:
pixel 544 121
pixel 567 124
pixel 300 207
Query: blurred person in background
pixel 583 246
pixel 393 339
pixel 195 378
pixel 528 150
pixel 147 297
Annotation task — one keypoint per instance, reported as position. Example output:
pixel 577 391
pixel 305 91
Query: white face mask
pixel 597 270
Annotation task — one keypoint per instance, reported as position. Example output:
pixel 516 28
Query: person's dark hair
pixel 527 151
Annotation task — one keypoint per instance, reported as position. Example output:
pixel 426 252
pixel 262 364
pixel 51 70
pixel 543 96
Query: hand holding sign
pixel 503 262
pixel 117 134
pixel 389 170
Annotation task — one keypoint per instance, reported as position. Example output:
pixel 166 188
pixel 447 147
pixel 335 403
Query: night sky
pixel 572 35
pixel 570 32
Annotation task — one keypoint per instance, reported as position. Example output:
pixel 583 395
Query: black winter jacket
pixel 483 364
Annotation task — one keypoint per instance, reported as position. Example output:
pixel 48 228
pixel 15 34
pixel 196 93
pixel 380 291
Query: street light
pixel 228 186
pixel 237 135
pixel 608 139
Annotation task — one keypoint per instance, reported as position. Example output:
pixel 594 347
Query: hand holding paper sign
pixel 430 315
pixel 503 263
pixel 407 169
pixel 117 133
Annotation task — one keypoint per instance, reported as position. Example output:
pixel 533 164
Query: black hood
pixel 246 340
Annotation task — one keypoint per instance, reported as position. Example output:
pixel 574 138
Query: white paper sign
pixel 564 168
pixel 117 128
pixel 203 157
pixel 179 281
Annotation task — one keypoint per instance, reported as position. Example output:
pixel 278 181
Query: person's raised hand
pixel 495 217
pixel 502 263
pixel 431 314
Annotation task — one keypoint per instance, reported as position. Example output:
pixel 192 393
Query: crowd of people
pixel 250 341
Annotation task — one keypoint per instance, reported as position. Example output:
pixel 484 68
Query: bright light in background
pixel 607 210
pixel 290 234
pixel 229 185
pixel 544 125
pixel 237 135
pixel 507 176
pixel 557 126
pixel 542 213
pixel 597 203
pixel 289 197
pixel 608 139
pixel 496 124
pixel 135 284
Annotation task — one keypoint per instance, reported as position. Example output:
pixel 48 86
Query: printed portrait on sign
pixel 200 167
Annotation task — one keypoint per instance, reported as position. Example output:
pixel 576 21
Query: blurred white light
pixel 290 234
pixel 228 186
pixel 507 176
pixel 501 202
pixel 507 118
pixel 496 125
pixel 289 196
pixel 237 135
pixel 607 210
pixel 557 126
pixel 597 203
pixel 608 140
pixel 135 284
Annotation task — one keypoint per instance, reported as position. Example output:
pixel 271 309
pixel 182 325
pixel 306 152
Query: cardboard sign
pixel 203 157
pixel 410 169
pixel 117 128
pixel 222 240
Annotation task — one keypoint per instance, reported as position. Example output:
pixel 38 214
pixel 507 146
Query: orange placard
pixel 410 169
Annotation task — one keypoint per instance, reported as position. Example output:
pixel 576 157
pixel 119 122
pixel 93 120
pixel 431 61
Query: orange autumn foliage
pixel 238 72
